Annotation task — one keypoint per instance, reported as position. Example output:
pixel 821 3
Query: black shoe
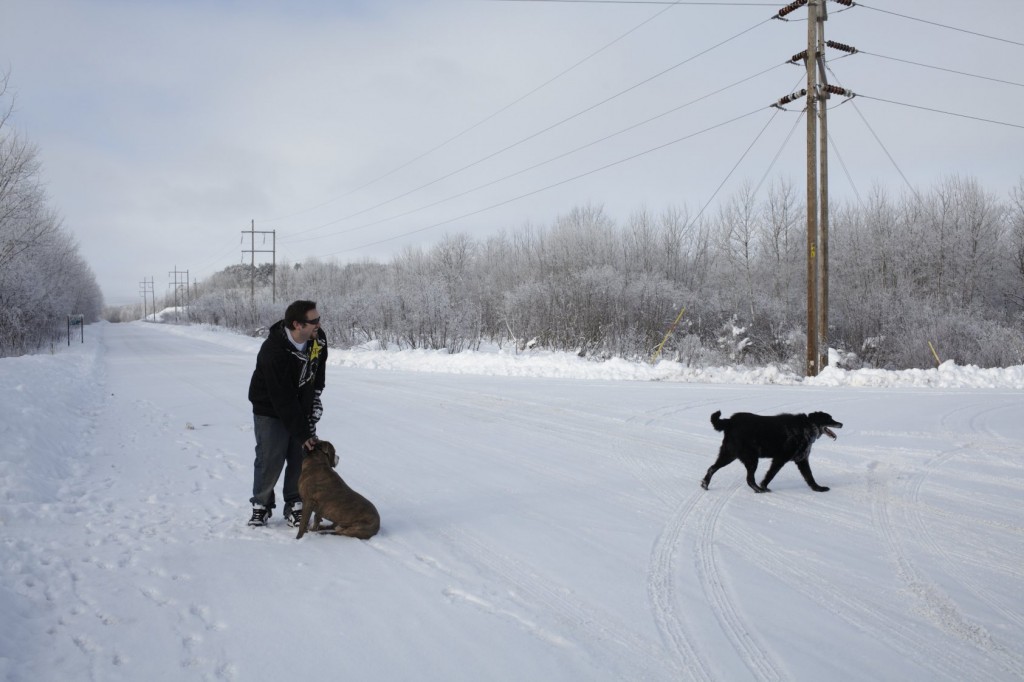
pixel 260 515
pixel 293 514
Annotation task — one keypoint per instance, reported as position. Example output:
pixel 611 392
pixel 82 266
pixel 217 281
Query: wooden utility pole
pixel 177 288
pixel 818 91
pixel 146 290
pixel 811 62
pixel 252 251
pixel 145 300
pixel 823 95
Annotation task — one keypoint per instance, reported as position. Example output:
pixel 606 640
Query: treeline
pixel 945 267
pixel 43 279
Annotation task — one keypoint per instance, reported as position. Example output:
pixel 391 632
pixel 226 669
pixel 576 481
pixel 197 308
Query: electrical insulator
pixel 792 7
pixel 791 98
pixel 798 57
pixel 836 90
pixel 841 46
pixel 848 3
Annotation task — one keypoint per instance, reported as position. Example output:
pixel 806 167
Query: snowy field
pixel 542 520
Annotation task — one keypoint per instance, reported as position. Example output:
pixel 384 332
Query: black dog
pixel 783 438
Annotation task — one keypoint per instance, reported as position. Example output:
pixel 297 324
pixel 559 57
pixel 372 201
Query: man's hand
pixel 311 443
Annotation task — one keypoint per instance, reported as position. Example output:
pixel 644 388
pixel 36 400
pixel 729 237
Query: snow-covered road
pixel 533 528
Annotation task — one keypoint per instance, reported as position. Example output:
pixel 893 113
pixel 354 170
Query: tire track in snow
pixel 939 609
pixel 915 520
pixel 867 617
pixel 525 594
pixel 754 655
pixel 942 608
pixel 703 519
pixel 661 592
pixel 569 610
pixel 656 474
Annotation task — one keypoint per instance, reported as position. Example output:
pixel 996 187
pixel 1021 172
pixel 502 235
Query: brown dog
pixel 326 495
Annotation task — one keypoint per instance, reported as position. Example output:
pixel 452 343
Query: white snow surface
pixel 541 520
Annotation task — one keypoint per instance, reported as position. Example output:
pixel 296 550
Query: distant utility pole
pixel 177 287
pixel 252 251
pixel 818 91
pixel 145 290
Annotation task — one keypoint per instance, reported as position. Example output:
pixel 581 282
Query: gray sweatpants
pixel 275 447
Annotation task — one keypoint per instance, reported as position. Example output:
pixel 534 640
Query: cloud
pixel 166 127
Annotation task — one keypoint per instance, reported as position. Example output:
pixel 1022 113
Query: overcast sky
pixel 353 129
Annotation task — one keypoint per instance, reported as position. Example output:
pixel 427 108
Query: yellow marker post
pixel 657 351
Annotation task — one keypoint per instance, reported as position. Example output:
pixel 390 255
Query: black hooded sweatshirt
pixel 286 380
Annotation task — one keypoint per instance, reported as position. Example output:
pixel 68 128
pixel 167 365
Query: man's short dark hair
pixel 296 312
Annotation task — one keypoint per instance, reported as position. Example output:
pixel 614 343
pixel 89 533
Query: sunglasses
pixel 305 322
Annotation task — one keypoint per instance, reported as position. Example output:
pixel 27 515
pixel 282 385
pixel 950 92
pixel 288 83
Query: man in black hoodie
pixel 285 395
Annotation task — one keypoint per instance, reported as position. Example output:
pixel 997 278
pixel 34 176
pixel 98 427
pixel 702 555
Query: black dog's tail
pixel 719 424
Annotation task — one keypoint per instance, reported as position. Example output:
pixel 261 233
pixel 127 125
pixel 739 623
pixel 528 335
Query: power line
pixel 940 68
pixel 935 23
pixel 551 186
pixel 534 135
pixel 778 154
pixel 913 106
pixel 482 121
pixel 217 259
pixel 885 150
pixel 846 171
pixel 542 163
pixel 743 156
pixel 881 144
pixel 785 143
pixel 735 166
pixel 653 2
pixel 940 111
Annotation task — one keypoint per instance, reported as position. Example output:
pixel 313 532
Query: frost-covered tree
pixel 43 279
pixel 1015 218
pixel 944 265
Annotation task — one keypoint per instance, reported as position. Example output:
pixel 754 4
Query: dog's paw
pixel 822 489
pixel 704 484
